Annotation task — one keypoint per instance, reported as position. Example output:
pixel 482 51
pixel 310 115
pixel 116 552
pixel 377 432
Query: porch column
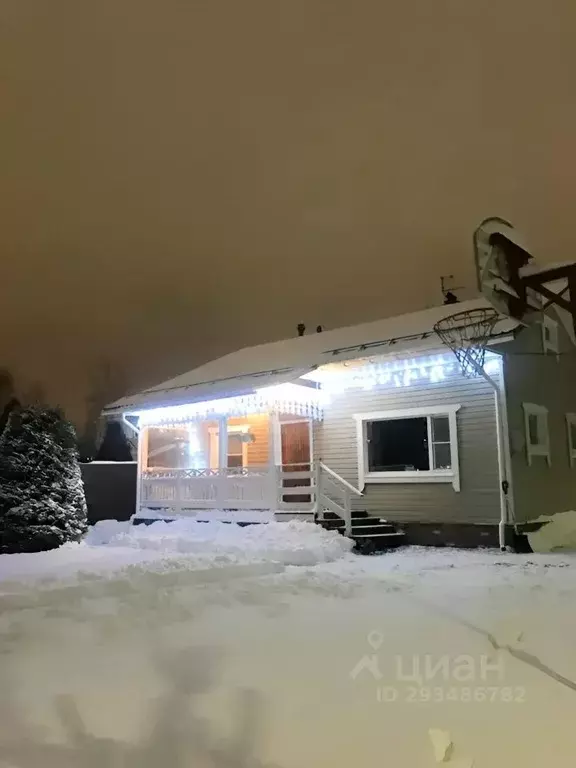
pixel 272 436
pixel 275 454
pixel 274 448
pixel 142 464
pixel 223 442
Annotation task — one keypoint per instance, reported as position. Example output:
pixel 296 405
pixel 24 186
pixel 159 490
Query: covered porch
pixel 258 461
pixel 252 452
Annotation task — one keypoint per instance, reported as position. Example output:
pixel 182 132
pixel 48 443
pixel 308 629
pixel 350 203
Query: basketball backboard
pixel 500 255
pixel 512 285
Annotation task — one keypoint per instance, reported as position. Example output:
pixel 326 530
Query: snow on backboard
pixel 513 284
pixel 500 254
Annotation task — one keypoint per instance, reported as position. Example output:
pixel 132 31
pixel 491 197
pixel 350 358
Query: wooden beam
pixel 560 293
pixel 553 298
pixel 556 273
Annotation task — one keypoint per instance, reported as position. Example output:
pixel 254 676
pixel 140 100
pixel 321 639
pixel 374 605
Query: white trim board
pixel 571 422
pixel 541 448
pixel 551 345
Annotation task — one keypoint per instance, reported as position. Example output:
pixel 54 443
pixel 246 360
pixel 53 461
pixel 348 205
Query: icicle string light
pixel 298 400
pixel 398 373
pixel 293 399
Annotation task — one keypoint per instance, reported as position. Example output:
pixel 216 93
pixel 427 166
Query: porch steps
pixel 370 534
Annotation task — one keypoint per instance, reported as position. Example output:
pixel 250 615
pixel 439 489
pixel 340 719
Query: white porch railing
pixel 179 489
pixel 268 488
pixel 335 494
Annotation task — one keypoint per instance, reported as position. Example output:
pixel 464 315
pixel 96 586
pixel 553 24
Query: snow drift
pixel 292 543
pixel 111 546
pixel 557 533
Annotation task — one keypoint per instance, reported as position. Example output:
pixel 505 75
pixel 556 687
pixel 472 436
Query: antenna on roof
pixel 448 289
pixel 301 328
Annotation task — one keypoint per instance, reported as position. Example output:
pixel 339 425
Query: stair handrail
pixel 340 479
pixel 345 488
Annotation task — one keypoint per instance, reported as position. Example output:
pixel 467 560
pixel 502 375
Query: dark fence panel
pixel 110 489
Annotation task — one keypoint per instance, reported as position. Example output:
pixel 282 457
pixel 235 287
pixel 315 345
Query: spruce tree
pixel 42 502
pixel 115 445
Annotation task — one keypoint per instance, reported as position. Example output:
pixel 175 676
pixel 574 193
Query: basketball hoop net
pixel 467 333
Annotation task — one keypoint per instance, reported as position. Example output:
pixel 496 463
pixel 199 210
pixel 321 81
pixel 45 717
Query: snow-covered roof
pixel 247 369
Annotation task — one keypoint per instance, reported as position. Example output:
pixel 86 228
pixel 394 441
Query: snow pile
pixel 292 543
pixel 558 532
pixel 188 545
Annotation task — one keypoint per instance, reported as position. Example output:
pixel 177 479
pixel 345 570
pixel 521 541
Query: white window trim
pixel 214 433
pixel 571 422
pixel 426 476
pixel 531 409
pixel 553 345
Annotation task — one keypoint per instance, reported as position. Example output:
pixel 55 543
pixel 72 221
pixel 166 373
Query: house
pixel 373 419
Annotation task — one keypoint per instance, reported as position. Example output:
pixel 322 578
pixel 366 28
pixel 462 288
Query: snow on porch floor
pixel 287 663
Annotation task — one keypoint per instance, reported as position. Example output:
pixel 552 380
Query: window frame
pixel 551 346
pixel 542 448
pixel 451 475
pixel 215 435
pixel 571 422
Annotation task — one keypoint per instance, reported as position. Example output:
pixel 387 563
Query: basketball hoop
pixel 467 333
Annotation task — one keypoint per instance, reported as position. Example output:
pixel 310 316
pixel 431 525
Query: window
pixel 167 448
pixel 536 431
pixel 236 449
pixel 550 338
pixel 414 445
pixel 571 428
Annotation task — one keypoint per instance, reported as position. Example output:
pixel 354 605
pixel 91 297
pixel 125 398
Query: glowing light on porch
pixel 289 398
pixel 433 369
pixel 195 452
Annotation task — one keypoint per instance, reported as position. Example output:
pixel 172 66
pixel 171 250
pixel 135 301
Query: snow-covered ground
pixel 273 643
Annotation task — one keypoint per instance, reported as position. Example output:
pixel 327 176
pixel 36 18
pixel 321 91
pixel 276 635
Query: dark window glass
pixel 442 456
pixel 440 429
pixel 573 435
pixel 533 429
pixel 398 445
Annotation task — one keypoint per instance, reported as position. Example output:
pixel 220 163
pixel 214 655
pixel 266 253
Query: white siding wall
pixel 479 498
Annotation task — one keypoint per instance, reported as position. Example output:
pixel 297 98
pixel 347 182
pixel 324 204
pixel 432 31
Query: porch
pixel 258 461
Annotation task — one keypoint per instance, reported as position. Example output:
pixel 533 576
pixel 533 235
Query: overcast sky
pixel 181 177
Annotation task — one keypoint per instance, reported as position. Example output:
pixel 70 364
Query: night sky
pixel 181 178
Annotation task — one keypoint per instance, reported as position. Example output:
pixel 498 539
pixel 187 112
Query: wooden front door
pixel 296 456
